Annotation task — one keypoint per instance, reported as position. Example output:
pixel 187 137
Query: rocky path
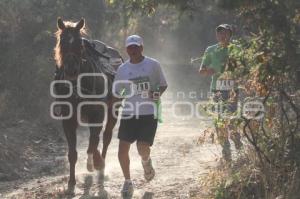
pixel 178 159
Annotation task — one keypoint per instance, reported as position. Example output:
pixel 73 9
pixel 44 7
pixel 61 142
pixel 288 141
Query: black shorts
pixel 224 96
pixel 142 128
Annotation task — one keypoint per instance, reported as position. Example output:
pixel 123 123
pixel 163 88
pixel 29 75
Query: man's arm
pixel 115 100
pixel 205 71
pixel 205 68
pixel 156 94
pixel 162 89
pixel 161 84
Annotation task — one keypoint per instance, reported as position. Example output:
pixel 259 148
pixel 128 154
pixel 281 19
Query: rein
pixel 87 56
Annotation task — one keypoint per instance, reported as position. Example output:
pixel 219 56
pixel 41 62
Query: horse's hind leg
pixel 107 135
pixel 95 159
pixel 69 127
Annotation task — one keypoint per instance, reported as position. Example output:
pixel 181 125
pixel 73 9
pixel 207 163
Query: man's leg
pixel 236 138
pixel 124 160
pixel 226 152
pixel 222 133
pixel 127 190
pixel 144 151
pixel 234 133
pixel 145 140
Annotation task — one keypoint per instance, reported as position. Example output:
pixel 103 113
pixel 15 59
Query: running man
pixel 139 121
pixel 213 64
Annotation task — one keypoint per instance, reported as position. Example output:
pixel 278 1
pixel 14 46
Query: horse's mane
pixel 58 54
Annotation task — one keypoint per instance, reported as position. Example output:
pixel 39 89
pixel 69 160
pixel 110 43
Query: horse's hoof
pixel 148 195
pixel 101 177
pixel 99 162
pixel 90 163
pixel 100 166
pixel 103 194
pixel 71 190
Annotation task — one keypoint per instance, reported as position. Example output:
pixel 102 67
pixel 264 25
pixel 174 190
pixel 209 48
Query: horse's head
pixel 68 50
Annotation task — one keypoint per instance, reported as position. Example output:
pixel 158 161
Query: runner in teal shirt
pixel 216 56
pixel 213 64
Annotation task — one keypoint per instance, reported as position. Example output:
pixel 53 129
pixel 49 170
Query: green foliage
pixel 266 69
pixel 27 42
pixel 149 6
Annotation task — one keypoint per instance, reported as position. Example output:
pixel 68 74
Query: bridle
pixel 84 59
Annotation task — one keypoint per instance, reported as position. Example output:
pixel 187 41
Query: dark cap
pixel 224 26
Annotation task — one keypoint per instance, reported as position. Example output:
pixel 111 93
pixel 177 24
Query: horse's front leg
pixel 95 160
pixel 69 127
pixel 112 118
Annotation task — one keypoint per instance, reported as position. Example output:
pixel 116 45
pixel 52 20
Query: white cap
pixel 134 40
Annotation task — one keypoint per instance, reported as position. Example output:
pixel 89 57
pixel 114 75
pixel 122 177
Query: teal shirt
pixel 215 57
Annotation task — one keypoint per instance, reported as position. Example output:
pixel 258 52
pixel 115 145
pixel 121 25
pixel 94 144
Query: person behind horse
pixel 213 64
pixel 138 121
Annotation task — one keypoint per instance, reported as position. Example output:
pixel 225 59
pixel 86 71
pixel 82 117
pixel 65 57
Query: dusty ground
pixel 178 159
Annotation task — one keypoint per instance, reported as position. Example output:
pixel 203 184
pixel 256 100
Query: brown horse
pixel 75 56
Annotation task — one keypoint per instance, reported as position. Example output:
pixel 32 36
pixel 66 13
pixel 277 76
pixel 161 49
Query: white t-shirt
pixel 134 81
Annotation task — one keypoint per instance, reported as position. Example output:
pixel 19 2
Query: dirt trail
pixel 177 158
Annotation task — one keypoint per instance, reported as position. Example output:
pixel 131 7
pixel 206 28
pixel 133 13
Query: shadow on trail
pixel 148 195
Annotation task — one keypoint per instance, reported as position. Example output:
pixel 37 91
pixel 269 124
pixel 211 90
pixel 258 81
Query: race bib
pixel 142 85
pixel 225 84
